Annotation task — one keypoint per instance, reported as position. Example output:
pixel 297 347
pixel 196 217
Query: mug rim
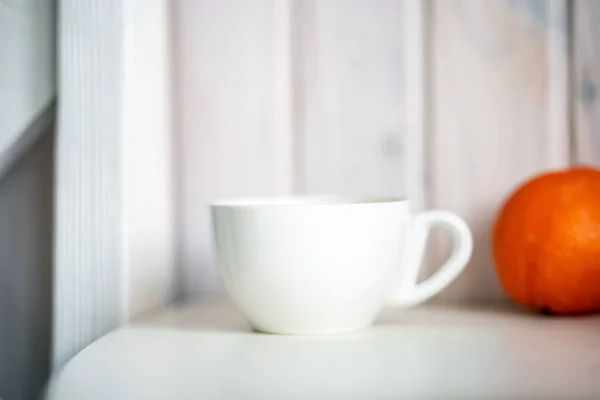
pixel 304 200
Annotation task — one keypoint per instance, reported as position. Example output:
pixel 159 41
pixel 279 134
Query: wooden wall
pixel 449 102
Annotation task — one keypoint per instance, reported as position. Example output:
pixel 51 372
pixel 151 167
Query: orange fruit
pixel 546 242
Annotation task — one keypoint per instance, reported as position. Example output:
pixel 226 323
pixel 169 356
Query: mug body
pixel 309 265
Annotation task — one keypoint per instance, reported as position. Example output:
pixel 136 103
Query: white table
pixel 208 352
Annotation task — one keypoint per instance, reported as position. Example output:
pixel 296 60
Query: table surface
pixel 207 351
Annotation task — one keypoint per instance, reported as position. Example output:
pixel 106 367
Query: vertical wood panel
pixel 353 87
pixel 88 291
pixel 499 76
pixel 234 110
pixel 557 25
pixel 113 169
pixel 284 104
pixel 586 78
pixel 147 141
pixel 417 91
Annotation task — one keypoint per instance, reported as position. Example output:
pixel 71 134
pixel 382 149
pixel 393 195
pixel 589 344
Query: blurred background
pixel 167 105
pixel 450 103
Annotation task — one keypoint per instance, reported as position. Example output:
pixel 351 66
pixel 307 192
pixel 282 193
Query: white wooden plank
pixel 147 150
pixel 586 77
pixel 233 102
pixel 88 292
pixel 284 103
pixel 353 128
pixel 416 98
pixel 500 86
pixel 113 255
pixel 559 111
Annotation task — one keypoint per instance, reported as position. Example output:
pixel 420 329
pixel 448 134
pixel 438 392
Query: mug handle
pixel 410 292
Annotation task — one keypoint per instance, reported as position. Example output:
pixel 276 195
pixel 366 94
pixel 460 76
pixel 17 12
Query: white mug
pixel 327 264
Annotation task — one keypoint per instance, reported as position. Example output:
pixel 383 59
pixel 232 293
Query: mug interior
pixel 303 200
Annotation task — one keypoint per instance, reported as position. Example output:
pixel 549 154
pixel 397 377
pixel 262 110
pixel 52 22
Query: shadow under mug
pixel 327 264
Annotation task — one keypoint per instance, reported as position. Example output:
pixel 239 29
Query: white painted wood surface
pixel 233 118
pixel 147 151
pixel 114 249
pixel 87 275
pixel 499 112
pixel 352 135
pixel 292 96
pixel 208 351
pixel 451 103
